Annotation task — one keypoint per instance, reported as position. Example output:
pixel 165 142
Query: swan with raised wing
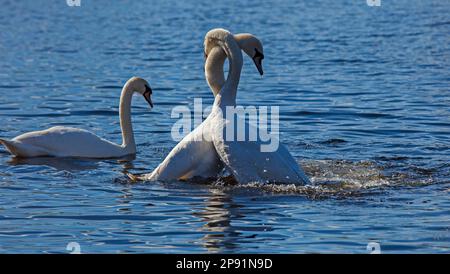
pixel 73 142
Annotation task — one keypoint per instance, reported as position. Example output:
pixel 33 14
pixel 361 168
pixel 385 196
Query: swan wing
pixel 20 149
pixel 192 157
pixel 64 142
pixel 248 163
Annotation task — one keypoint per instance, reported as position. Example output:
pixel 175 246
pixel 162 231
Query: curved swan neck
pixel 214 69
pixel 125 118
pixel 227 95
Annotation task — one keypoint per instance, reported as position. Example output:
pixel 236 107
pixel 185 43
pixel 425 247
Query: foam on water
pixel 336 178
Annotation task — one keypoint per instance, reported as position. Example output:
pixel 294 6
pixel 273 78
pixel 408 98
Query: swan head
pixel 142 87
pixel 252 46
pixel 213 38
pixel 249 43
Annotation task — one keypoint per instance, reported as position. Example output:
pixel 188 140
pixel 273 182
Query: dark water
pixel 364 101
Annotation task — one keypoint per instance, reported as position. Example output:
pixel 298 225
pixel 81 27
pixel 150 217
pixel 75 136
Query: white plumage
pixel 74 142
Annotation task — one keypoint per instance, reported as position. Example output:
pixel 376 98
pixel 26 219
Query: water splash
pixel 336 179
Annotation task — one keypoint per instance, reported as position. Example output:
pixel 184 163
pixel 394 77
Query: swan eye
pixel 258 54
pixel 148 89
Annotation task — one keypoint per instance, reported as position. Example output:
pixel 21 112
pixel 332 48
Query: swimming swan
pixel 73 142
pixel 244 159
pixel 195 155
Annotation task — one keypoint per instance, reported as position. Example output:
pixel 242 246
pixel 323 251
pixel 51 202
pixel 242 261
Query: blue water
pixel 365 108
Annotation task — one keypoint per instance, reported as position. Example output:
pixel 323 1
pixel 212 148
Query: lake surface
pixel 364 102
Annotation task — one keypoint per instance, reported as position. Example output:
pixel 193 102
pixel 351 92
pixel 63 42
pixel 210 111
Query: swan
pixel 195 155
pixel 244 159
pixel 61 141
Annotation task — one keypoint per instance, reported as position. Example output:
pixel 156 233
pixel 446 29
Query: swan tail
pixel 10 146
pixel 22 150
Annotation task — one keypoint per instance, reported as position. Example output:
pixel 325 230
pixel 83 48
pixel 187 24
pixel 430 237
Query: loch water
pixel 364 105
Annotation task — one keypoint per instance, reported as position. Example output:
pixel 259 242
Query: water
pixel 364 101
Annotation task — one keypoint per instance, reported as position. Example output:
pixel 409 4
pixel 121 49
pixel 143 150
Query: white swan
pixel 195 155
pixel 73 142
pixel 244 159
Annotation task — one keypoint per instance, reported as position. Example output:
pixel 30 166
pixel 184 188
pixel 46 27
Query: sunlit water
pixel 364 101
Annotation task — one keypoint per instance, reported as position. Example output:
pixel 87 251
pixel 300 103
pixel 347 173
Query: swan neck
pixel 214 69
pixel 228 92
pixel 125 119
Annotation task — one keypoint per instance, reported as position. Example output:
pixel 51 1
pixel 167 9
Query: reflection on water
pixel 217 214
pixel 56 163
pixel 69 164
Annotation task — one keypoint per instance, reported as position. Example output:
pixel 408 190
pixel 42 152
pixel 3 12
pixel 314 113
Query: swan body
pixel 195 155
pixel 188 159
pixel 204 152
pixel 73 142
pixel 244 159
pixel 62 142
pixel 247 163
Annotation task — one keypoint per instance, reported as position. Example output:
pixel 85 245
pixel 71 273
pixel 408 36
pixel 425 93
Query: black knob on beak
pixel 257 59
pixel 148 95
